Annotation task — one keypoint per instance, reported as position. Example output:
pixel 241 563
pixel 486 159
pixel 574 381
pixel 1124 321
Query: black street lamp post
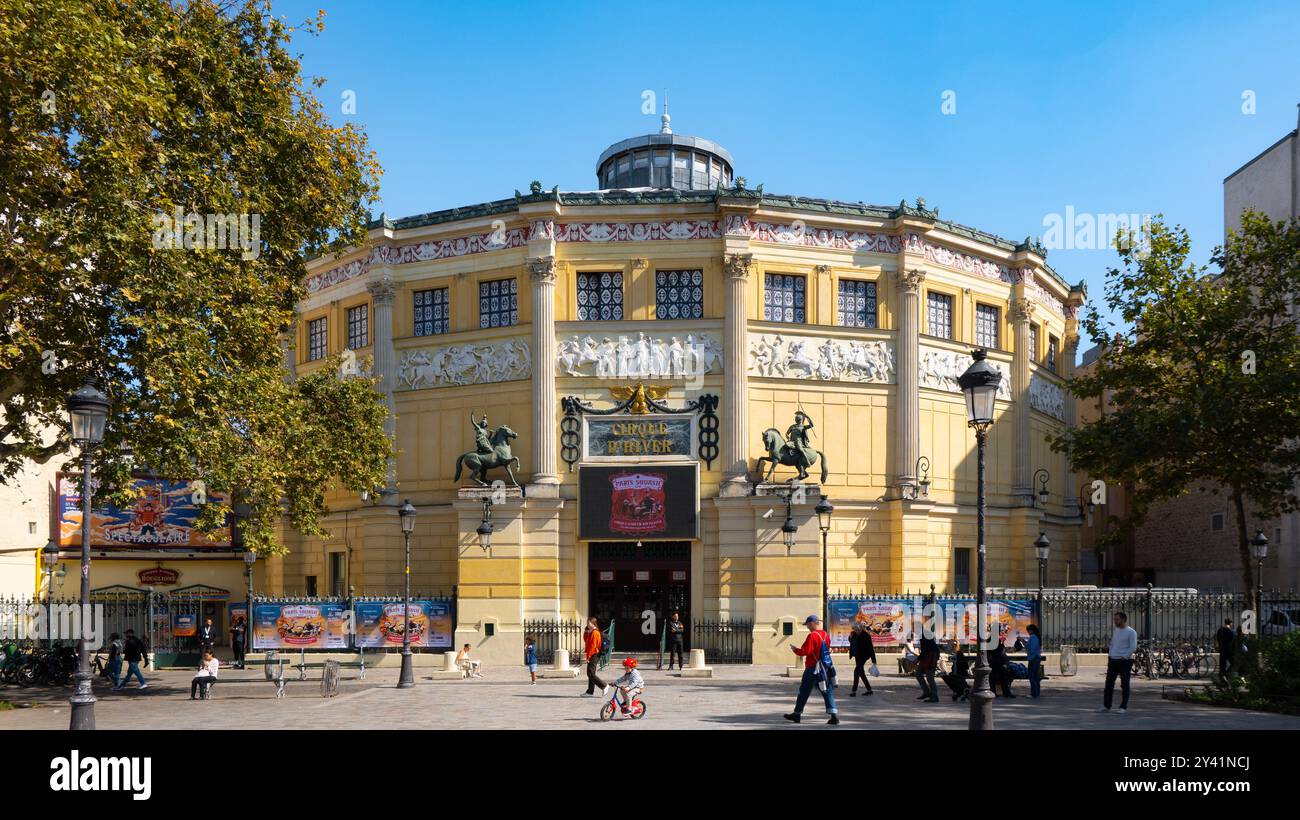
pixel 50 558
pixel 1044 549
pixel 980 385
pixel 239 513
pixel 88 411
pixel 1259 545
pixel 407 678
pixel 824 510
pixel 485 526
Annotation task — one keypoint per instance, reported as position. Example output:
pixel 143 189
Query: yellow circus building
pixel 639 340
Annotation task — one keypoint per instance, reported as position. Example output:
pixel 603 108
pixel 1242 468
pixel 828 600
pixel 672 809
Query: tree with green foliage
pixel 166 172
pixel 1204 375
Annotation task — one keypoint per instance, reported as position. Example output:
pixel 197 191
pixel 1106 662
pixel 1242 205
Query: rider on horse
pixel 796 435
pixel 482 435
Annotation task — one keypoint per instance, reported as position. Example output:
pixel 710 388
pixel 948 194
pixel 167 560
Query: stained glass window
pixel 358 327
pixel 784 298
pixel 938 312
pixel 986 326
pixel 679 294
pixel 600 297
pixel 317 339
pixel 857 303
pixel 432 312
pixel 498 303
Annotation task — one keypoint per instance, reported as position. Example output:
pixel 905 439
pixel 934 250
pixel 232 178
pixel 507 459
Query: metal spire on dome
pixel 667 127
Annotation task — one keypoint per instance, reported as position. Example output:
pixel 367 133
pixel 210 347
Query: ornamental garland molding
pixel 734 225
pixel 1046 397
pixel 638 231
pixel 800 357
pixel 797 233
pixel 645 357
pixel 939 369
pixel 502 360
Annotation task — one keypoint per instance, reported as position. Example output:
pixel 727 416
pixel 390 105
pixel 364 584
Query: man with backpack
pixel 133 652
pixel 818 671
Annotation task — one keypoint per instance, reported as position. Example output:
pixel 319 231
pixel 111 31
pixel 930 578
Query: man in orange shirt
pixel 814 673
pixel 591 643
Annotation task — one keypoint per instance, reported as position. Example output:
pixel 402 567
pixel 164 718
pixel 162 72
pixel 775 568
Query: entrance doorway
pixel 638 587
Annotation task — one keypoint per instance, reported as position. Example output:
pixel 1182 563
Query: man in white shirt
pixel 1119 662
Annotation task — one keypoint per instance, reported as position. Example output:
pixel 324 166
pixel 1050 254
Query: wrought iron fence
pixel 152 616
pixel 1083 618
pixel 724 641
pixel 553 635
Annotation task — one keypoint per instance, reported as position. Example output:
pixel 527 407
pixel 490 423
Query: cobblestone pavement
pixel 739 697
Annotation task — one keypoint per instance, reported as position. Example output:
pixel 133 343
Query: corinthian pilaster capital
pixel 542 270
pixel 1022 310
pixel 738 265
pixel 910 280
pixel 382 291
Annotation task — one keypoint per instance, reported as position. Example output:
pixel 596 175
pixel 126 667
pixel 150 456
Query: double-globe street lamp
pixel 407 678
pixel 979 384
pixel 789 531
pixel 88 412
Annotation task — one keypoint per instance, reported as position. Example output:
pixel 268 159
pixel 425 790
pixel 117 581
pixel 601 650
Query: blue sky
pixel 1108 107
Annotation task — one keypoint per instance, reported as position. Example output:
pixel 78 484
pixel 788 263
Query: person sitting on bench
pixel 207 675
pixel 467 664
pixel 956 679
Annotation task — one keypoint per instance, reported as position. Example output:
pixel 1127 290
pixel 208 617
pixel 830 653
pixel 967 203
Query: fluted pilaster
pixel 1022 312
pixel 382 295
pixel 541 271
pixel 735 415
pixel 907 431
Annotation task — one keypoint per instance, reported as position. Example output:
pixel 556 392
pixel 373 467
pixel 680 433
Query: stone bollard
pixel 697 669
pixel 449 671
pixel 560 668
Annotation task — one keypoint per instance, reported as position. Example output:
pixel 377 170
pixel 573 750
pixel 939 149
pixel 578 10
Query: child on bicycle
pixel 630 684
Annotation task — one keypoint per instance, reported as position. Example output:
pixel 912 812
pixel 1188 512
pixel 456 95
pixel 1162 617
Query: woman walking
pixel 861 650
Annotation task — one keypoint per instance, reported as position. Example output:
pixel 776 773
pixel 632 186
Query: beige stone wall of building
pixel 740 568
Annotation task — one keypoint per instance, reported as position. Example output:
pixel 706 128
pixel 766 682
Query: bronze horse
pixel 779 451
pixel 479 463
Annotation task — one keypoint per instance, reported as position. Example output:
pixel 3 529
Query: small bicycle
pixel 612 707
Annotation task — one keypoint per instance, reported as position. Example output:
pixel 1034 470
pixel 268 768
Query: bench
pixel 302 666
pixel 1020 657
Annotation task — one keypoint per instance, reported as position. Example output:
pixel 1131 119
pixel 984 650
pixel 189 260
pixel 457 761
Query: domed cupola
pixel 665 160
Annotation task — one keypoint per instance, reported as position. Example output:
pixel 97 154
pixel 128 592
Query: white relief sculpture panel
pixel 642 357
pixel 1047 397
pixel 795 357
pixel 939 370
pixel 474 363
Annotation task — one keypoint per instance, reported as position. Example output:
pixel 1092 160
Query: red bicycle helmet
pixel 629 663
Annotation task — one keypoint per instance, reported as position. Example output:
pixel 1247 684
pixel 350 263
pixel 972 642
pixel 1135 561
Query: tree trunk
pixel 1243 547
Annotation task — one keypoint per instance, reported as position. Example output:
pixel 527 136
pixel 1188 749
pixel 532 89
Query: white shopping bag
pixel 874 670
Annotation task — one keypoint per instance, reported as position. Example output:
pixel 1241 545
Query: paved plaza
pixel 739 697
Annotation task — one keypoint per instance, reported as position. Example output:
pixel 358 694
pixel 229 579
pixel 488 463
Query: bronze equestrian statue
pixel 793 450
pixel 492 450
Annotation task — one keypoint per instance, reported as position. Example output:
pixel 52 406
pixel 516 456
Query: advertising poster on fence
pixel 883 617
pixel 300 625
pixel 379 624
pixel 235 613
pixel 185 625
pixel 891 620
